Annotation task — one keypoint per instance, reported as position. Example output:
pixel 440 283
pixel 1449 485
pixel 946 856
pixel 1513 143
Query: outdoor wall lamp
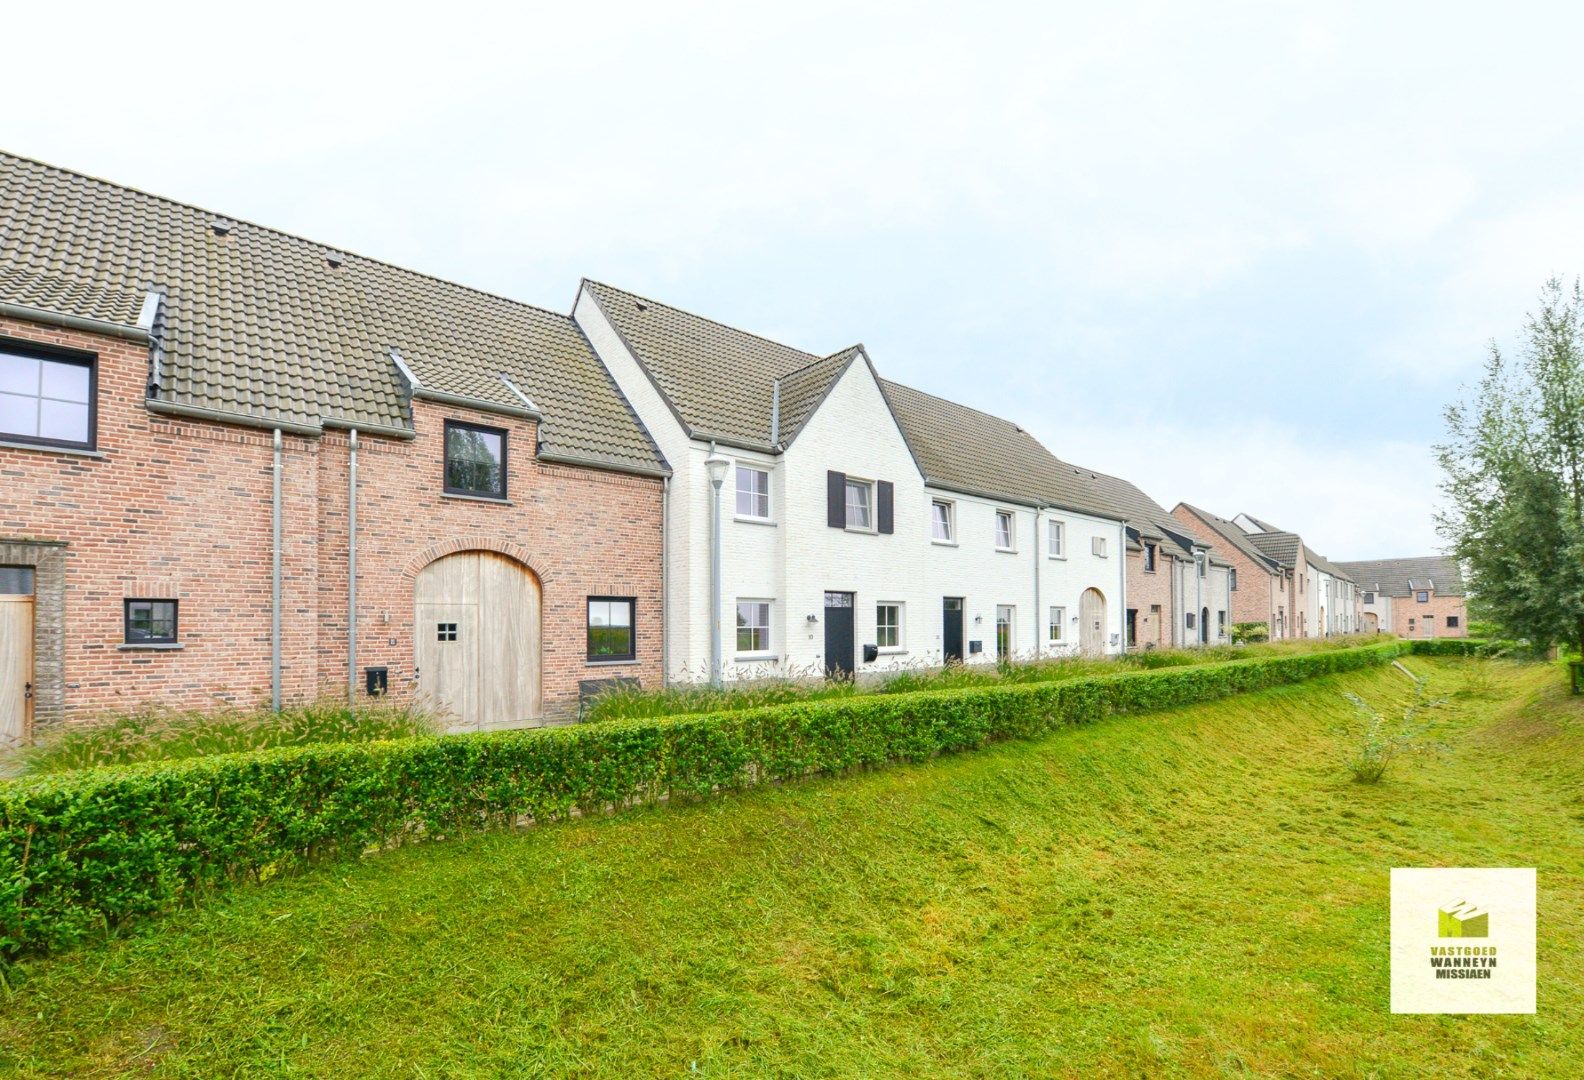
pixel 813 618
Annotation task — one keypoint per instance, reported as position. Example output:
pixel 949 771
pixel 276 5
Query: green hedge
pixel 1460 647
pixel 85 852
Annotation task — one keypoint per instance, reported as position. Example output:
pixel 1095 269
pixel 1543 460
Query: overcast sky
pixel 1241 254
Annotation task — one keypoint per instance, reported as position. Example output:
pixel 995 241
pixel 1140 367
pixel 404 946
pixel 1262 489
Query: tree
pixel 1513 468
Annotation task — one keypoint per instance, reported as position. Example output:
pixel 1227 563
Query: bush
pixel 1374 740
pixel 1245 633
pixel 87 851
pixel 156 733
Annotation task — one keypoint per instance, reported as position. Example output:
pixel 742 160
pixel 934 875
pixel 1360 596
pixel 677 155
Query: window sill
pixel 1006 551
pixel 151 646
pixel 46 448
pixel 757 658
pixel 891 652
pixel 1063 558
pixel 610 663
pixel 860 531
pixel 475 498
pixel 753 520
pixel 944 543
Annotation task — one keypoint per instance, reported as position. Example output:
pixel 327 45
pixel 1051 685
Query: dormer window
pixel 1422 596
pixel 47 396
pixel 1149 558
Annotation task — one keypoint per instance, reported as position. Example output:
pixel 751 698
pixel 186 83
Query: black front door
pixel 838 635
pixel 1132 627
pixel 952 628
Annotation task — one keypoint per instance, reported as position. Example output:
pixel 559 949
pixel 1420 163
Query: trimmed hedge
pixel 85 852
pixel 1461 647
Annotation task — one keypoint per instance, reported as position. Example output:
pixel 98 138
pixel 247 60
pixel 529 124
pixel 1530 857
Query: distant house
pixel 1178 584
pixel 1258 585
pixel 1420 597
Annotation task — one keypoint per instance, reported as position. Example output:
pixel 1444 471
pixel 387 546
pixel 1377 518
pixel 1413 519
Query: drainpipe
pixel 1199 580
pixel 1122 549
pixel 275 582
pixel 1038 618
pixel 716 466
pixel 665 581
pixel 352 489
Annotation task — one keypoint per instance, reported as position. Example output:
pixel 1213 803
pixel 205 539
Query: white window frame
pixel 739 492
pixel 1056 539
pixel 867 486
pixel 1056 629
pixel 1011 625
pixel 768 644
pixel 1097 547
pixel 900 626
pixel 950 539
pixel 1011 520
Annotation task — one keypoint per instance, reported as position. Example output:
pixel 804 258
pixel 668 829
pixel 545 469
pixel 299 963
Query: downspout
pixel 1123 589
pixel 1201 568
pixel 665 581
pixel 275 581
pixel 1038 637
pixel 352 492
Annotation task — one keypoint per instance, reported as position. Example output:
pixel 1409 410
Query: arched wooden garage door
pixel 1092 622
pixel 478 640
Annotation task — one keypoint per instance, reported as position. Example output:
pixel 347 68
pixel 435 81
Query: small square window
pixel 888 626
pixel 611 634
pixel 942 526
pixel 1003 530
pixel 150 622
pixel 446 631
pixel 475 460
pixel 1452 622
pixel 860 503
pixel 753 626
pixel 1097 546
pixel 1422 596
pixel 753 493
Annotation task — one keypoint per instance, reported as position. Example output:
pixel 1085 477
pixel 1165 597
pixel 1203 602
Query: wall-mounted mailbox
pixel 975 648
pixel 376 681
pixel 871 653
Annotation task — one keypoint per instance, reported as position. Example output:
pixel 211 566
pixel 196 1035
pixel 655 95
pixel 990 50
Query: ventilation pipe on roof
pixel 352 490
pixel 275 581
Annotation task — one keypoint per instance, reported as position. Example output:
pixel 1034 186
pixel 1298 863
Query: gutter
pixel 219 416
pixel 609 466
pixel 441 397
pixel 75 322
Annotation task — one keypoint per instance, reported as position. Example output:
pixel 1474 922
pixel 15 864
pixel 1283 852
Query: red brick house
pixel 460 504
pixel 1417 597
pixel 1261 584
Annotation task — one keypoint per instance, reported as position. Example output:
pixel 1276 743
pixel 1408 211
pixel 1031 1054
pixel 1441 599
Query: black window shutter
pixel 836 500
pixel 883 497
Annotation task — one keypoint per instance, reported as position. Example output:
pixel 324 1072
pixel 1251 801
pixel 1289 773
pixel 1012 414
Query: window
pixel 1422 596
pixel 753 493
pixel 888 626
pixel 1097 546
pixel 1369 598
pixel 46 397
pixel 1452 622
pixel 16 581
pixel 1056 539
pixel 150 622
pixel 1232 580
pixel 1221 623
pixel 753 626
pixel 1058 624
pixel 1003 526
pixel 1149 558
pixel 1190 620
pixel 943 526
pixel 1005 614
pixel 860 505
pixel 610 628
pixel 446 631
pixel 475 460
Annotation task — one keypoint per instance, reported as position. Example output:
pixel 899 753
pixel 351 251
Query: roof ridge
pixel 168 200
pixel 706 318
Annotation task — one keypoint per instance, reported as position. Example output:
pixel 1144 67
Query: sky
pixel 1241 254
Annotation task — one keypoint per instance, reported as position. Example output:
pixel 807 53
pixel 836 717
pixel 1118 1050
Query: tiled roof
pixel 803 390
pixel 1145 514
pixel 1326 565
pixel 260 325
pixel 1280 547
pixel 963 449
pixel 719 380
pixel 1401 577
pixel 1230 532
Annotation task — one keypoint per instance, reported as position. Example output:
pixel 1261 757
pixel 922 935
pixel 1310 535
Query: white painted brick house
pixel 865 526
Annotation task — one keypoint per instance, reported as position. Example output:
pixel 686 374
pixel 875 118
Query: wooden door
pixel 477 640
pixel 16 669
pixel 1091 623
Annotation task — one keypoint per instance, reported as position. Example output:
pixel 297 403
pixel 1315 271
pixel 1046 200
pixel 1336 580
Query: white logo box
pixel 1462 940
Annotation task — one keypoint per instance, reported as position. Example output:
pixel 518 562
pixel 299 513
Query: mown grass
pixel 156 732
pixel 1199 893
pixel 625 703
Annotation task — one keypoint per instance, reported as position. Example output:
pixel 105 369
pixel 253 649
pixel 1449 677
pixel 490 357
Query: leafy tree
pixel 1513 469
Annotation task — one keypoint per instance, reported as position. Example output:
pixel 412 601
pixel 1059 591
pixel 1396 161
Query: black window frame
pixel 632 626
pixel 58 355
pixel 1149 558
pixel 126 620
pixel 445 460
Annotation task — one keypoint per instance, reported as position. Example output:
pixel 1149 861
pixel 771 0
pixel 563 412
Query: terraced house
pixel 237 464
pixel 1321 596
pixel 1419 597
pixel 860 525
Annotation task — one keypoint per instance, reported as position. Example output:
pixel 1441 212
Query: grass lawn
pixel 1200 893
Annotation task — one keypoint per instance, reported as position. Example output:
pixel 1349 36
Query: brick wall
pixel 175 508
pixel 1258 593
pixel 1438 608
pixel 1146 588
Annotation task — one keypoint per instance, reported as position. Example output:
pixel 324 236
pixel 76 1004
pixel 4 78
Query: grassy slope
pixel 1200 893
